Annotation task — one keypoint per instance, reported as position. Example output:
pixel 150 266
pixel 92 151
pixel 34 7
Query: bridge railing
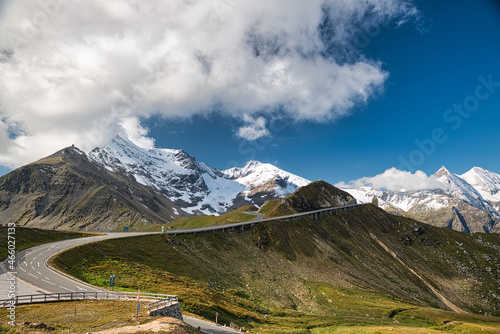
pixel 162 303
pixel 253 222
pixel 83 295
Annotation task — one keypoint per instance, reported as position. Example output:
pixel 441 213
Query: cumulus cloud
pixel 133 130
pixel 79 72
pixel 396 180
pixel 255 128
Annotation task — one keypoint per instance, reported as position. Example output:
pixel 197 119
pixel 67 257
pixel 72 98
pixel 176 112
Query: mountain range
pixel 193 185
pixel 468 202
pixel 122 184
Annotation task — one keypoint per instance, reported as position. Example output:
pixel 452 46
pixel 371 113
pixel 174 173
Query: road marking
pixel 32 275
pixel 39 273
pixel 62 287
pixel 22 269
pixel 25 263
pixel 47 278
pixel 38 264
pixel 48 282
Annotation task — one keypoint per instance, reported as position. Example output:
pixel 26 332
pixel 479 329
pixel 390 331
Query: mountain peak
pixel 253 164
pixel 121 140
pixel 316 195
pixel 486 182
pixel 442 172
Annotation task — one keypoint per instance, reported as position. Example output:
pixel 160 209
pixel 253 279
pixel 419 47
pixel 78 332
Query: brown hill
pixel 67 191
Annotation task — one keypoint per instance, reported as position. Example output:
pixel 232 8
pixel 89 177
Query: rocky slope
pixel 66 190
pixel 193 185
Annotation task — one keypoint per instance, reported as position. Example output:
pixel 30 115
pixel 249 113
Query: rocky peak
pixel 318 195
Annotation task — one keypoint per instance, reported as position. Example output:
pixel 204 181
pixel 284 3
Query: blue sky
pixel 430 72
pixel 78 85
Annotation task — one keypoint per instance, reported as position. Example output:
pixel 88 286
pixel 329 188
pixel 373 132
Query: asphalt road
pixel 258 215
pixel 207 327
pixel 32 264
pixel 32 268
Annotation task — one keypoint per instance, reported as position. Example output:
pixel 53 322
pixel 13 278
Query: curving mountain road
pixel 32 263
pixel 32 269
pixel 258 216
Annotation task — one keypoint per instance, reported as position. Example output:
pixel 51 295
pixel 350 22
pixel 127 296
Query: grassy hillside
pixel 91 316
pixel 362 271
pixel 29 237
pixel 236 216
pixel 316 195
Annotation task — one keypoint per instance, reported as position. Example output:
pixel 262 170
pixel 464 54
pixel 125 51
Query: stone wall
pixel 172 311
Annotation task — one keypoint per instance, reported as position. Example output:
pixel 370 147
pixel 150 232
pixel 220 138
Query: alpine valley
pixel 122 184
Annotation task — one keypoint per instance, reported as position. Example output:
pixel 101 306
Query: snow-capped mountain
pixel 256 175
pixel 486 183
pixel 457 204
pixel 193 185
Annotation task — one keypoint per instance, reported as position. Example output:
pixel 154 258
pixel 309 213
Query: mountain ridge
pixel 457 204
pixel 124 185
pixel 178 185
pixel 193 185
pixel 66 190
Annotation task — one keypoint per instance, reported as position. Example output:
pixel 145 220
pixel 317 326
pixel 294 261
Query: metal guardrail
pixel 69 296
pixel 163 303
pixel 313 214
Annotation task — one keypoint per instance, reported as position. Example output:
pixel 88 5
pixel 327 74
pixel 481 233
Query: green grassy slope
pixel 236 216
pixel 29 237
pixel 330 276
pixel 316 195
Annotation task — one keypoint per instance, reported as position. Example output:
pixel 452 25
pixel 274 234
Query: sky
pixel 337 90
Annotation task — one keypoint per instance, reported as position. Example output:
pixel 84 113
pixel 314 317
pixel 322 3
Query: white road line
pixel 48 282
pixel 47 278
pixel 32 275
pixel 39 273
pixel 22 269
pixel 38 264
pixel 62 287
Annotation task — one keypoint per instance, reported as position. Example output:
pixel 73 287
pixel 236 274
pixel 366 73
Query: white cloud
pixel 255 128
pixel 71 71
pixel 396 180
pixel 136 132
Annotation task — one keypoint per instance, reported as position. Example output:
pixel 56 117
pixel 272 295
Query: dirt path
pixel 168 325
pixel 452 306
